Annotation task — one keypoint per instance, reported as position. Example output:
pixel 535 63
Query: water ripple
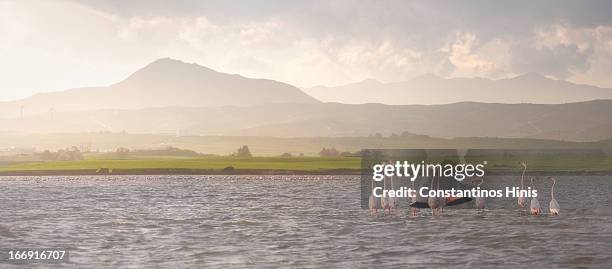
pixel 284 221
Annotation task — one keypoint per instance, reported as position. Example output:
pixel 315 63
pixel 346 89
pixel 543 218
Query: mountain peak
pixel 166 70
pixel 170 63
pixel 166 60
pixel 171 82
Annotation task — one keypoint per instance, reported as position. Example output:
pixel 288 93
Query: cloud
pixel 560 61
pixel 63 44
pixel 357 59
pixel 564 51
pixel 467 57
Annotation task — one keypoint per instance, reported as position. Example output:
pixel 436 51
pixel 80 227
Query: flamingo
pixel 384 200
pixel 522 201
pixel 374 202
pixel 414 210
pixel 535 204
pixel 393 201
pixel 441 200
pixel 480 201
pixel 433 202
pixel 553 206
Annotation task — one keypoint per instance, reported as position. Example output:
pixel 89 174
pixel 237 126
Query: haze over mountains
pixel 170 96
pixel 585 121
pixel 162 83
pixel 430 89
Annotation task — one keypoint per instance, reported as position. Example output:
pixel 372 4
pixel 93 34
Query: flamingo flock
pixel 390 205
pixel 534 206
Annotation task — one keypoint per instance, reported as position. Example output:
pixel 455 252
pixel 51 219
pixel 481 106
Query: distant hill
pixel 270 146
pixel 430 89
pixel 165 82
pixel 581 121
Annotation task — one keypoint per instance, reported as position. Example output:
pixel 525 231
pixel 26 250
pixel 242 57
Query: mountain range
pixel 431 89
pixel 170 96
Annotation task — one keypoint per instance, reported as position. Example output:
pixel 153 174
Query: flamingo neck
pixel 523 177
pixel 552 189
pixel 384 182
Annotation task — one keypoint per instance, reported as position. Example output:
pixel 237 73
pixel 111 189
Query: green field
pixel 266 150
pixel 267 165
pixel 311 164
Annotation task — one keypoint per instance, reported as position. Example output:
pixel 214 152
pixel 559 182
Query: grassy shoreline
pixel 226 165
pixel 180 172
pixel 188 166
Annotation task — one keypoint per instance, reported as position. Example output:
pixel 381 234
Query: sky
pixel 56 45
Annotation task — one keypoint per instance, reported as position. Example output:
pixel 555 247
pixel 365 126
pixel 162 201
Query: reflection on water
pixel 238 221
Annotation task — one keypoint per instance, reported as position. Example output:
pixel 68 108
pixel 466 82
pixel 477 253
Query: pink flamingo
pixel 433 202
pixel 535 204
pixel 522 201
pixel 393 201
pixel 414 210
pixel 374 202
pixel 384 200
pixel 553 206
pixel 480 201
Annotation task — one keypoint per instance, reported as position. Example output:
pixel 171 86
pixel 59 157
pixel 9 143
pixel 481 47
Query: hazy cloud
pixel 61 44
pixel 560 61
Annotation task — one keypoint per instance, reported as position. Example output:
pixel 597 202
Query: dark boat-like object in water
pixel 450 201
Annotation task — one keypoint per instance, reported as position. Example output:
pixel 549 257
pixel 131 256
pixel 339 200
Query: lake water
pixel 291 221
